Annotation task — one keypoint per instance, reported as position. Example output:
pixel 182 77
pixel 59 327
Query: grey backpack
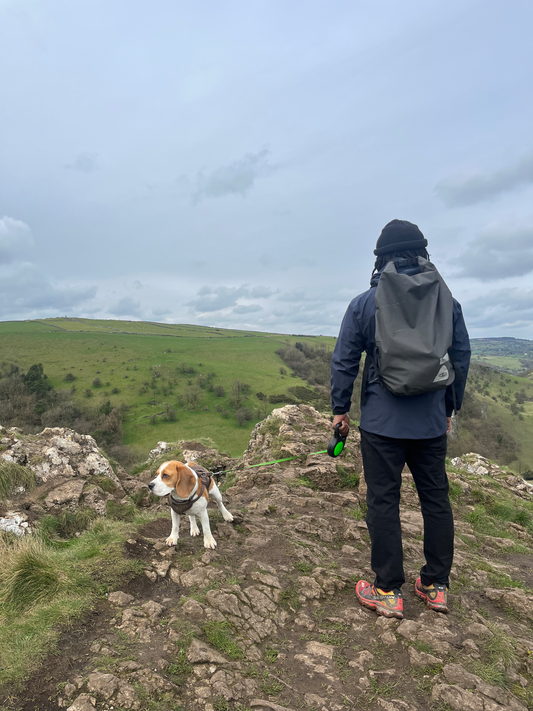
pixel 414 330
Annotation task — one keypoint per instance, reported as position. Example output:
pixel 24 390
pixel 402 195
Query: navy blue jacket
pixel 415 417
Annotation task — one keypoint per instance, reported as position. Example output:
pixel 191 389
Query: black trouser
pixel 383 461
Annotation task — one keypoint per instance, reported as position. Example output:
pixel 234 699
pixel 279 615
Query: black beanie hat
pixel 399 235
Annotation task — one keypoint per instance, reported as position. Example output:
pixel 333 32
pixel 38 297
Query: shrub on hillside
pixel 69 378
pixel 243 415
pixel 219 391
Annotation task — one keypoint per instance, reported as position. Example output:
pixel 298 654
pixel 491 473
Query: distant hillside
pixel 135 383
pixel 132 383
pixel 511 355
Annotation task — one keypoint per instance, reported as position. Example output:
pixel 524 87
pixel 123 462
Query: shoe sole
pixel 430 605
pixel 380 610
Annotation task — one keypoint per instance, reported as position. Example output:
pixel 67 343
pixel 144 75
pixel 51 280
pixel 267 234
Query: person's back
pixel 398 429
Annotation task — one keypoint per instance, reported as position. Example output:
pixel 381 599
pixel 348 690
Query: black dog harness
pixel 181 506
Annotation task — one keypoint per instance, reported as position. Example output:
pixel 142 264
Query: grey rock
pixel 102 684
pixel 120 598
pixel 84 702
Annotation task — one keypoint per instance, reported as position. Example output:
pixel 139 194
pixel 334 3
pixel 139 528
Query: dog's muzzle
pixel 151 486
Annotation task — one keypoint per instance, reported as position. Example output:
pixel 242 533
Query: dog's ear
pixel 184 480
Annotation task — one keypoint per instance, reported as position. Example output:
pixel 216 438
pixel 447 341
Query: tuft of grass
pixel 271 687
pixel 65 524
pixel 271 426
pixel 31 575
pixel 13 475
pixel 348 479
pixel 220 636
pixel 456 490
pixel 121 512
pixel 289 598
pixel 271 654
pixel 304 567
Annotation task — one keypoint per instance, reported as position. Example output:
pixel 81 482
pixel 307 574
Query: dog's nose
pixel 151 485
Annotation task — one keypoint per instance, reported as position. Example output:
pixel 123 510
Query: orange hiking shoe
pixel 386 603
pixel 435 595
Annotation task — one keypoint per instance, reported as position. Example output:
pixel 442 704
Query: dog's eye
pixel 164 476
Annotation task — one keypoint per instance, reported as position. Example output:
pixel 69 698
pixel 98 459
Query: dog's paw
pixel 195 531
pixel 171 541
pixel 227 516
pixel 209 542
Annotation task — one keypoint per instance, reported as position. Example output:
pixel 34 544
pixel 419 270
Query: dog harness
pixel 203 482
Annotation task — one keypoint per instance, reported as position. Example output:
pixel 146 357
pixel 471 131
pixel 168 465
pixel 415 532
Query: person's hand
pixel 449 425
pixel 345 426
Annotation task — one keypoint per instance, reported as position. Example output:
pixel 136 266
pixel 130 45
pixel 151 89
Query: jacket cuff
pixel 449 413
pixel 338 411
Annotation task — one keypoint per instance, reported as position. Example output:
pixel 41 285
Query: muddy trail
pixel 270 620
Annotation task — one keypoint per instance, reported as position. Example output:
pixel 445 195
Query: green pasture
pixel 521 429
pixel 508 363
pixel 127 355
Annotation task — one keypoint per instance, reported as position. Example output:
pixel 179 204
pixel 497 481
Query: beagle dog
pixel 188 487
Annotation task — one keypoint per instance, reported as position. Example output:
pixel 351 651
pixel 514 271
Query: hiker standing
pixel 417 360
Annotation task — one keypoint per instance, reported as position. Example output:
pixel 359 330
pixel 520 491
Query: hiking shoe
pixel 386 603
pixel 435 595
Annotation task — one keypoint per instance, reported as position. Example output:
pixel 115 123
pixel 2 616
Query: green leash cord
pixel 335 447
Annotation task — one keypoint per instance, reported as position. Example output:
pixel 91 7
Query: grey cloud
pixel 498 252
pixel 15 239
pixel 252 308
pixel 24 289
pixel 233 179
pixel 216 298
pixel 84 163
pixel 261 292
pixel 476 187
pixel 126 307
pixel 502 308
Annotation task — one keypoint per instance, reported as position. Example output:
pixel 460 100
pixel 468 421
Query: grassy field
pixel 496 389
pixel 507 363
pixel 133 360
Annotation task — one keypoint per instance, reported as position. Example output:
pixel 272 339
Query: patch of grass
pixel 229 481
pixel 336 639
pixel 271 687
pixel 348 479
pixel 44 587
pixel 221 704
pixel 303 481
pixel 304 567
pixel 490 672
pixel 271 426
pixel 289 598
pixel 456 490
pixel 271 654
pixel 121 512
pixel 359 514
pixel 105 483
pixel 66 524
pixel 180 670
pixel 220 636
pixel 12 476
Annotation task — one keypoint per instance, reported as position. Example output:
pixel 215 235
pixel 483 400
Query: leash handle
pixel 337 442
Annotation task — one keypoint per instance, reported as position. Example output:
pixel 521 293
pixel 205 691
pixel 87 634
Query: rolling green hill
pixel 172 382
pixel 511 355
pixel 150 368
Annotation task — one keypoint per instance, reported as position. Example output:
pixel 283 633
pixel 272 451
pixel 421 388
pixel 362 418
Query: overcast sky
pixel 232 163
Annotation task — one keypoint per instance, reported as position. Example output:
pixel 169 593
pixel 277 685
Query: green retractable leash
pixel 337 442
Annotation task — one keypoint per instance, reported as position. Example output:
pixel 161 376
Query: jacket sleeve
pixel 460 356
pixel 345 361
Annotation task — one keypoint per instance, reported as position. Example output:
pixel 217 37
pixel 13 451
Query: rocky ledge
pixel 269 621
